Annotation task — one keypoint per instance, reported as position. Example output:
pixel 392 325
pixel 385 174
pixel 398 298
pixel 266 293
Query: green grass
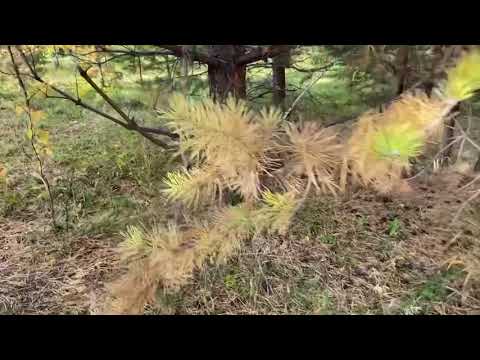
pixel 315 220
pixel 431 292
pixel 310 297
pixel 394 227
pixel 102 176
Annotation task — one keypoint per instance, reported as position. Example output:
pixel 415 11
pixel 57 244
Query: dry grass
pixel 345 257
pixel 340 256
pixel 44 275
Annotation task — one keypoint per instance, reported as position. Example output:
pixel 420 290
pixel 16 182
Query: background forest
pixel 239 179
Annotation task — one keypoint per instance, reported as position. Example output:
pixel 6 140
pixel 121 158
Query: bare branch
pixel 321 68
pixel 259 53
pixel 129 123
pixel 32 141
pixel 314 81
pixel 105 97
pixel 179 51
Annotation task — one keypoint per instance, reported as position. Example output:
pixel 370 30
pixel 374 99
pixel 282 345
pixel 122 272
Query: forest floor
pixel 358 255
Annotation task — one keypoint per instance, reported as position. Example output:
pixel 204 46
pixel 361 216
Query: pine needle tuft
pixel 464 79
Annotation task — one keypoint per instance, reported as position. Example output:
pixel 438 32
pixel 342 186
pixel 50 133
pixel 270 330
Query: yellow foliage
pixel 381 145
pixel 417 111
pixel 19 110
pixel 313 152
pixel 464 78
pixel 3 172
pixel 276 213
pixel 167 257
pixel 227 138
pixel 236 149
pixel 93 71
pixel 134 243
pixel 42 136
pixel 157 257
pixel 193 187
pixel 36 116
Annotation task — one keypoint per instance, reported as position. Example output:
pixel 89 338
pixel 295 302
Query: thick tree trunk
pixel 227 78
pixel 227 65
pixel 280 62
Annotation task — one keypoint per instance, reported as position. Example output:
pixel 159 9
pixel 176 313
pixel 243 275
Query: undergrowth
pixel 250 180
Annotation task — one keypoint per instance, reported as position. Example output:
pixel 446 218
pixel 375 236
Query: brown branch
pixel 259 53
pixel 130 123
pixel 312 70
pixel 179 51
pixel 105 97
pixel 132 52
pixel 174 50
pixel 255 54
pixel 102 62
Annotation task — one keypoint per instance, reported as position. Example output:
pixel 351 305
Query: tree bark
pixel 227 65
pixel 280 62
pixel 227 77
pixel 402 76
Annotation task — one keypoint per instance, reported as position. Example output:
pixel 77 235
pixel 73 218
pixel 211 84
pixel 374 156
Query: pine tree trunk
pixel 402 77
pixel 280 62
pixel 227 78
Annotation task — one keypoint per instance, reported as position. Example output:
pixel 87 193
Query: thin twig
pixel 289 111
pixel 32 138
pixel 130 124
pixel 464 205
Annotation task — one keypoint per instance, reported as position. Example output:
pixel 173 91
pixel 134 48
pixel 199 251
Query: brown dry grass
pixel 340 258
pixel 44 275
pixel 337 258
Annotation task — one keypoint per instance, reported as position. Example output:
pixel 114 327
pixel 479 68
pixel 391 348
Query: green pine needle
pixel 400 145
